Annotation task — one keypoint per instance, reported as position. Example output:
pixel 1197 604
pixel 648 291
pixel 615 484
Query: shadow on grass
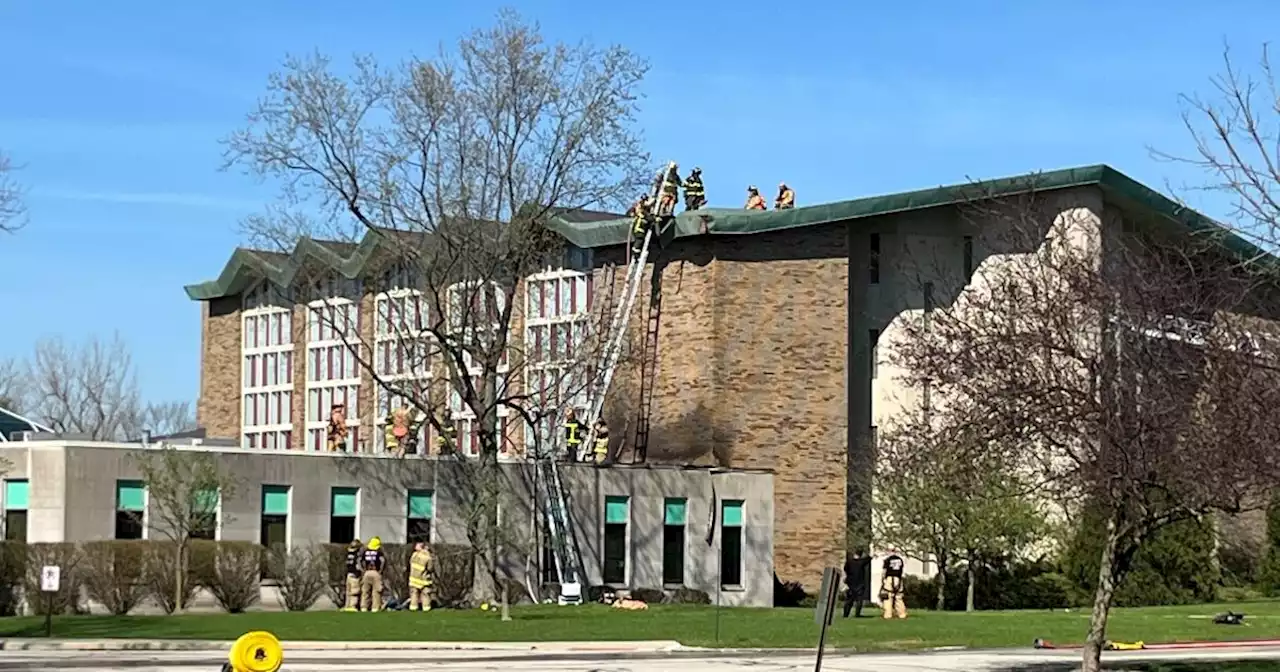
pixel 1204 666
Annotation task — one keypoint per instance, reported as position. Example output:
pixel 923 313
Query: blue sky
pixel 115 110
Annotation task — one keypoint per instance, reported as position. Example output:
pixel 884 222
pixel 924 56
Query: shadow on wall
pixel 694 422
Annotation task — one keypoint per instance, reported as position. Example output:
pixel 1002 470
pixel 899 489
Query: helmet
pixel 782 185
pixel 697 169
pixel 354 542
pixel 375 543
pixel 752 188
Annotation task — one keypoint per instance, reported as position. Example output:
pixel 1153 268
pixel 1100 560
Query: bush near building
pixel 120 575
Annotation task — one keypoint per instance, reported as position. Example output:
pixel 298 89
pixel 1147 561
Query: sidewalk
pixel 41 644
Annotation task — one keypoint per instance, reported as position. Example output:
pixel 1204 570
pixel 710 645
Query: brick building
pixel 764 343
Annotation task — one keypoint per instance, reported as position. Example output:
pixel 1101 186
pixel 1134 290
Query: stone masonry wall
pixel 218 409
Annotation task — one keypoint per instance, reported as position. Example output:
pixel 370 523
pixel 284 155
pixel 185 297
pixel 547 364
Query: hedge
pixel 121 574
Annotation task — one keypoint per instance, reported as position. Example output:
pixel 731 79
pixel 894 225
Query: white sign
pixel 50 578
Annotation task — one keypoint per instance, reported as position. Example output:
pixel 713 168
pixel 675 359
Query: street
pixel 694 661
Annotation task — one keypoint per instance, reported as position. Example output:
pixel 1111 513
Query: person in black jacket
pixel 354 550
pixel 857 579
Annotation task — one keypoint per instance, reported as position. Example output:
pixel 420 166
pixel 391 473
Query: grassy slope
pixel 694 626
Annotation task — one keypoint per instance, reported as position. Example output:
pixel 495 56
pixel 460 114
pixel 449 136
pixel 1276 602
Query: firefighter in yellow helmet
pixel 420 578
pixel 373 562
pixel 695 194
pixel 670 191
pixel 786 199
pixel 754 200
pixel 641 215
pixel 447 440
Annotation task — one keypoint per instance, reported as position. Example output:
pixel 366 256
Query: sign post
pixel 50 581
pixel 824 611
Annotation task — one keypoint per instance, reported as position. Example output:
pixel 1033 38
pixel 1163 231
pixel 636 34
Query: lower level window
pixel 617 514
pixel 731 544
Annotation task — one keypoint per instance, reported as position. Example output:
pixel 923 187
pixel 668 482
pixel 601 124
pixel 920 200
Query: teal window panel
pixel 344 502
pixel 421 504
pixel 675 511
pixel 16 495
pixel 131 496
pixel 616 509
pixel 731 513
pixel 275 500
pixel 205 501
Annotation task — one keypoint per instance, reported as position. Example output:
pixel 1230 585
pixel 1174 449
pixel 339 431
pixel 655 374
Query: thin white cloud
pixel 169 198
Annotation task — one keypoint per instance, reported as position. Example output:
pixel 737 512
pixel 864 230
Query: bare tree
pixel 1127 373
pixel 452 164
pixel 89 388
pixel 13 210
pixel 184 488
pixel 163 418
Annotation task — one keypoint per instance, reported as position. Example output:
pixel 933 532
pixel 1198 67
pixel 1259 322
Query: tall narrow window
pixel 928 297
pixel 275 517
pixel 617 513
pixel 968 257
pixel 344 504
pixel 402 358
pixel 557 315
pixel 267 378
pixel 731 543
pixel 550 570
pixel 873 261
pixel 673 534
pixel 474 312
pixel 421 510
pixel 16 495
pixel 131 509
pixel 204 515
pixel 873 339
pixel 333 374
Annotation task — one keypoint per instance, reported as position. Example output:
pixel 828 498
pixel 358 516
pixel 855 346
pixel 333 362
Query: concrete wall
pixel 85 510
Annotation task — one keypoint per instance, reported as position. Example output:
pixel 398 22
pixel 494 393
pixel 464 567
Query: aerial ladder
pixel 568 557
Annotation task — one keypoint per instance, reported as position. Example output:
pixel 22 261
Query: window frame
pixel 741 535
pixel 386 334
pixel 217 519
pixel 17 512
pixel 873 259
pixel 683 528
pixel 551 374
pixel 626 543
pixel 262 301
pixel 121 513
pixel 410 519
pixel 464 418
pixel 343 297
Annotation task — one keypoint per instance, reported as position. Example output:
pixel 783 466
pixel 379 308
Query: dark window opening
pixel 204 526
pixel 275 532
pixel 673 555
pixel 615 553
pixel 928 297
pixel 128 524
pixel 968 257
pixel 342 529
pixel 731 556
pixel 874 261
pixel 419 530
pixel 15 525
pixel 550 573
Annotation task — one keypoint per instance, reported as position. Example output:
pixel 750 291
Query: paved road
pixel 482 661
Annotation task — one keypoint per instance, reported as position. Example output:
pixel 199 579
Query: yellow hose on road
pixel 257 651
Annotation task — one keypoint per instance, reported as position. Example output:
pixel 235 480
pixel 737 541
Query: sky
pixel 115 111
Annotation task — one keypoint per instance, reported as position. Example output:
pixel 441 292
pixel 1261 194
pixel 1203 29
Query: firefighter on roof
pixel 695 194
pixel 337 433
pixel 786 198
pixel 670 192
pixel 447 440
pixel 640 221
pixel 572 434
pixel 601 449
pixel 754 200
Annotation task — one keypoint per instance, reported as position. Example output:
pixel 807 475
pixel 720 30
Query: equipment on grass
pixel 256 651
pixel 564 543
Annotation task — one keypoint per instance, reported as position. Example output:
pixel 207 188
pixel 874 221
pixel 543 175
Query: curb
pixel 224 646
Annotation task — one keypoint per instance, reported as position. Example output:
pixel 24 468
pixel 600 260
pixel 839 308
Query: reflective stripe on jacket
pixel 419 576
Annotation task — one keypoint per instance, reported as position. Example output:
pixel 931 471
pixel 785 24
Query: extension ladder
pixel 556 501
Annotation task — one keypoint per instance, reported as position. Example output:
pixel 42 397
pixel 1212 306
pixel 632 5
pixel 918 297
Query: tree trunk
pixel 972 580
pixel 506 603
pixel 1107 578
pixel 941 602
pixel 178 576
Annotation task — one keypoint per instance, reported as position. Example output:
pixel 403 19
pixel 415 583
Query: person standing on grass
pixel 891 586
pixel 373 562
pixel 354 550
pixel 420 578
pixel 857 580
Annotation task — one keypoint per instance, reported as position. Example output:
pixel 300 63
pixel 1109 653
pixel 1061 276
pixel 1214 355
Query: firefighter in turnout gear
pixel 601 449
pixel 754 200
pixel 573 431
pixel 695 194
pixel 420 578
pixel 397 434
pixel 641 217
pixel 354 551
pixel 670 192
pixel 892 591
pixel 337 433
pixel 786 199
pixel 447 440
pixel 372 562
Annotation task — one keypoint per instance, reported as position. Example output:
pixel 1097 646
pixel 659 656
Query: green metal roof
pixel 591 229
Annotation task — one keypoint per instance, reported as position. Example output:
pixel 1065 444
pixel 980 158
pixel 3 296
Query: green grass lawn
pixel 695 626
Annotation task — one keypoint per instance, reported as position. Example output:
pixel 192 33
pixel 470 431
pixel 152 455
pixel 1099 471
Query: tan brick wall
pixel 751 374
pixel 218 409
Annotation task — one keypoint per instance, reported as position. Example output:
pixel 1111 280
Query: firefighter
pixel 670 192
pixel 640 221
pixel 786 199
pixel 857 578
pixel 447 440
pixel 353 576
pixel 572 434
pixel 337 432
pixel 695 194
pixel 601 447
pixel 891 587
pixel 754 200
pixel 372 562
pixel 397 434
pixel 420 578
